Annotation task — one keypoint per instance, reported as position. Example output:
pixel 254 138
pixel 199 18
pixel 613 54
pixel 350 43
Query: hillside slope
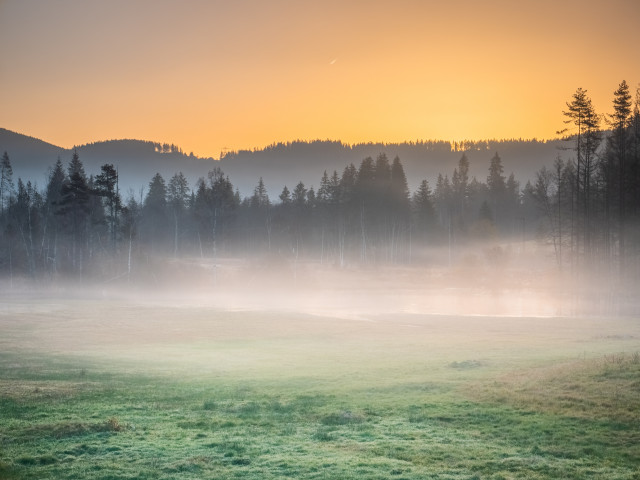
pixel 278 164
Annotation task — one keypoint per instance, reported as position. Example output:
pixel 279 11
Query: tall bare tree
pixel 584 130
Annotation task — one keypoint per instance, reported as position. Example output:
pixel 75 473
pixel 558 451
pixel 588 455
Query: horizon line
pixel 230 151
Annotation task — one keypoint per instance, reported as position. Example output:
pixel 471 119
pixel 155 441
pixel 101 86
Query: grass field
pixel 106 389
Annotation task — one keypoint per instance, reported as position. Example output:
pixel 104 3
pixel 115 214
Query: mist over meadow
pixel 362 325
pixel 569 232
pixel 357 240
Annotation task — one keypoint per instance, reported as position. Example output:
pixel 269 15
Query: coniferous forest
pixel 584 207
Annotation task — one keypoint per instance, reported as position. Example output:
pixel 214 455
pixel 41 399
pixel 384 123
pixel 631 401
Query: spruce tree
pixel 106 187
pixel 75 208
pixel 177 198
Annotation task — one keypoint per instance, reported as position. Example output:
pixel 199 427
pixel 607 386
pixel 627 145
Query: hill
pixel 278 164
pixel 30 157
pixel 136 160
pixel 288 163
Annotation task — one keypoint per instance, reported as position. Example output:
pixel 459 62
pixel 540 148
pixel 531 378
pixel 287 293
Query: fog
pixel 301 325
pixel 511 280
pixel 260 319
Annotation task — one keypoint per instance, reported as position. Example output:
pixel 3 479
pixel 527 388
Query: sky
pixel 212 76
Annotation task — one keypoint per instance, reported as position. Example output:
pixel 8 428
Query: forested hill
pixel 278 164
pixel 288 163
pixel 28 154
pixel 137 161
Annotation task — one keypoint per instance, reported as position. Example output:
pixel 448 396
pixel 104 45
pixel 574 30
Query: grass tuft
pixel 209 405
pixel 345 417
pixel 322 435
pixel 114 425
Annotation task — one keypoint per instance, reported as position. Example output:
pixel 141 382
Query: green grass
pixel 333 407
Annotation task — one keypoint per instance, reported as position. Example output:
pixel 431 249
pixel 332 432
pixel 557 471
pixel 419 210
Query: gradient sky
pixel 209 75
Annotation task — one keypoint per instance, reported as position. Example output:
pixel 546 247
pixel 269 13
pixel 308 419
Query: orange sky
pixel 207 75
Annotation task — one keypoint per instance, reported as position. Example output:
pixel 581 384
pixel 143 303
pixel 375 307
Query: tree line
pixel 591 202
pixel 586 207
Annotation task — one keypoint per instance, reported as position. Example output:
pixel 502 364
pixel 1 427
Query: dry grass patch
pixel 607 387
pixel 71 429
pixel 38 390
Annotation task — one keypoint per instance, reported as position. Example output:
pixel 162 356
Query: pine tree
pixel 423 209
pixel 323 192
pixel 156 199
pixel 311 197
pixel 512 201
pixel 586 133
pixel 334 188
pixel 497 187
pixel 285 196
pixel 442 199
pixel 620 121
pixel 299 196
pixel 495 179
pixel 365 180
pixel 177 197
pixel 52 206
pixel 260 198
pixel 460 190
pixel 382 175
pixel 261 211
pixel 348 183
pixel 399 189
pixel 75 208
pixel 154 211
pixel 106 187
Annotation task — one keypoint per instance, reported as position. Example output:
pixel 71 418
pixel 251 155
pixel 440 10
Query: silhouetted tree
pixel 424 212
pixel 177 197
pixel 299 196
pixel 400 209
pixel 512 203
pixel 460 192
pixel 52 206
pixel 443 199
pixel 261 210
pixel 285 196
pixel 106 186
pixel 586 134
pixel 75 208
pixel 496 185
pixel 619 122
pixel 155 212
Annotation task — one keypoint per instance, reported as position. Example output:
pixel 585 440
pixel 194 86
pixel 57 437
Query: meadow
pixel 121 388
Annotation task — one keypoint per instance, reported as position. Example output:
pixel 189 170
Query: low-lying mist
pixel 516 280
pixel 264 317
